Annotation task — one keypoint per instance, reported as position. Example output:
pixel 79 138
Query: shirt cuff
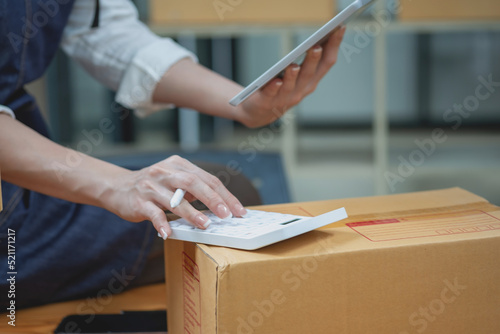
pixel 145 71
pixel 7 110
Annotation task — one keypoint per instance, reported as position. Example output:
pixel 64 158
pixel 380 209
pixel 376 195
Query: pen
pixel 177 198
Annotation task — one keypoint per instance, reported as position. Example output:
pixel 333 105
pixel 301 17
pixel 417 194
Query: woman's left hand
pixel 279 95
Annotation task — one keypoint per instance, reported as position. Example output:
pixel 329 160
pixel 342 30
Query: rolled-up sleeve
pixel 6 110
pixel 122 53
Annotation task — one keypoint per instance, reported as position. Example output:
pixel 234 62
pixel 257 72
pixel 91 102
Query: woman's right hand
pixel 145 194
pixel 34 162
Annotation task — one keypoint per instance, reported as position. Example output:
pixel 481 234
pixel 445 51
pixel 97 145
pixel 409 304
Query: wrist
pixel 242 116
pixel 112 188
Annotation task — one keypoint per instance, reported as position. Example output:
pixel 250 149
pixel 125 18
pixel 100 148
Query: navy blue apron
pixel 63 250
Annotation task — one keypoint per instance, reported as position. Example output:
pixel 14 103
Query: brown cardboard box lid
pixel 437 216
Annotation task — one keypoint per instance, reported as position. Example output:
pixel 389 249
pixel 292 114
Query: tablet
pixel 257 229
pixel 317 38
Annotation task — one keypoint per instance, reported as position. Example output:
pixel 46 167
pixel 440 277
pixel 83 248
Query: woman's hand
pixel 145 194
pixel 190 85
pixel 279 95
pixel 135 196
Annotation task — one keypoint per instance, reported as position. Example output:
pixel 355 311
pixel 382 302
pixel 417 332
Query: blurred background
pixel 412 104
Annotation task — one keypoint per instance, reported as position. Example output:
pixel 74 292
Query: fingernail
pixel 296 68
pixel 224 212
pixel 164 233
pixel 317 48
pixel 202 221
pixel 240 210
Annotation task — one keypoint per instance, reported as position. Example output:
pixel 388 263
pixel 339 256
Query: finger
pixel 309 67
pixel 193 216
pixel 184 209
pixel 330 53
pixel 289 82
pixel 156 216
pixel 201 185
pixel 211 191
pixel 230 201
pixel 290 79
pixel 160 197
pixel 204 187
pixel 272 88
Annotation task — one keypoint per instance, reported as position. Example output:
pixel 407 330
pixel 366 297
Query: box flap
pixel 448 215
pixel 371 206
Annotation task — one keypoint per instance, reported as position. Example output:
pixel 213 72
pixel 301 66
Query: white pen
pixel 177 198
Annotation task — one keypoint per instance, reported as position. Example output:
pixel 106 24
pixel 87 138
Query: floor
pixel 45 319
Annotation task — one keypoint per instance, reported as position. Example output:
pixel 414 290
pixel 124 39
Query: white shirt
pixel 122 53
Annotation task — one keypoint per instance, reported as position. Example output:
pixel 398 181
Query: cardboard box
pixel 449 10
pixel 240 11
pixel 424 262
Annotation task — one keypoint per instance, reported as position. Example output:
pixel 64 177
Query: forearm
pixel 34 162
pixel 188 84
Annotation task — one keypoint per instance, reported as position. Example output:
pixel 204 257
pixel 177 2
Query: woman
pixel 72 216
